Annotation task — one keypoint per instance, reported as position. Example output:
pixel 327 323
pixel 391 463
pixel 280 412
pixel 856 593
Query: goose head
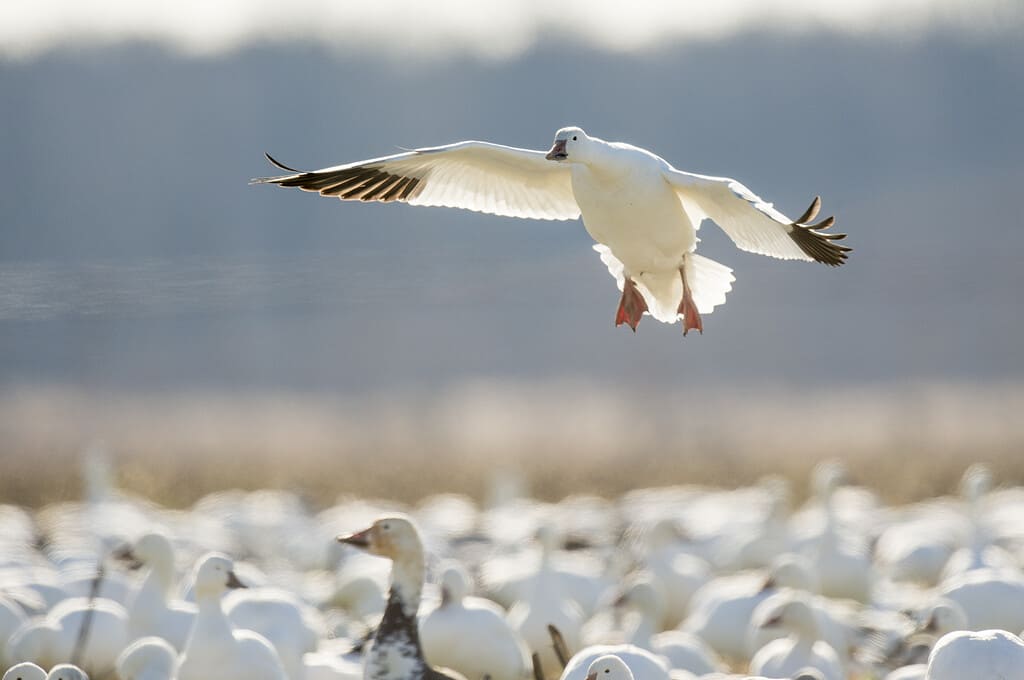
pixel 571 144
pixel 455 584
pixel 394 537
pixel 215 574
pixel 150 550
pixel 945 616
pixel 66 671
pixel 25 671
pixel 609 667
pixel 642 596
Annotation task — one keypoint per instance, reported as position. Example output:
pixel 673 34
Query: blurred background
pixel 207 333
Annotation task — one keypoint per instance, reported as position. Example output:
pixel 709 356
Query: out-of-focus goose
pixel 643 213
pixel 786 656
pixel 469 634
pixel 988 654
pixel 66 671
pixel 148 658
pixel 722 609
pixel 214 648
pixel 642 664
pixel 26 670
pixel 53 639
pixel 151 612
pixel 684 651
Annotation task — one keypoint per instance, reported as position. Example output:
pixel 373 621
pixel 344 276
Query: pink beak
pixel 592 676
pixel 359 540
pixel 557 152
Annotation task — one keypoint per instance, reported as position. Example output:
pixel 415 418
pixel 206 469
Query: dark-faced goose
pixel 643 213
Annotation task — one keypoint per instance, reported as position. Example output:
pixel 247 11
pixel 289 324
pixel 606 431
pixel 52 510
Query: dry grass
pixel 907 443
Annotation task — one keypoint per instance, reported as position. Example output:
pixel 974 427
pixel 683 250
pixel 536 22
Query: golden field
pixel 906 442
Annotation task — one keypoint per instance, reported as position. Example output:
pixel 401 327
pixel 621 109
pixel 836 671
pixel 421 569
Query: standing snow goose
pixel 151 612
pixel 289 624
pixel 804 647
pixel 396 653
pixel 685 651
pixel 643 213
pixel 215 649
pixel 52 639
pixel 470 634
pixel 723 607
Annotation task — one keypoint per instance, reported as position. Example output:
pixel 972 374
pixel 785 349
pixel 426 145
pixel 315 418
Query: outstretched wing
pixel 756 226
pixel 490 178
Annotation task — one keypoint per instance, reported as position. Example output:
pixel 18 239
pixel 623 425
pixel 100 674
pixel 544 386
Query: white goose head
pixel 609 667
pixel 571 144
pixel 455 584
pixel 25 671
pixel 215 574
pixel 66 671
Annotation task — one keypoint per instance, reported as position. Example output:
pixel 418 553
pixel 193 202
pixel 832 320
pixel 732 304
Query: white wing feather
pixel 479 176
pixel 753 224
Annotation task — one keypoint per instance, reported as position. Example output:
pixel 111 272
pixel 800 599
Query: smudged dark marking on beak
pixel 557 152
pixel 233 580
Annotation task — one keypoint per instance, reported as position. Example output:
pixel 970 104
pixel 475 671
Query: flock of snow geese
pixel 660 584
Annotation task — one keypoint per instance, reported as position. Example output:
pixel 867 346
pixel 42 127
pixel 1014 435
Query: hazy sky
pixel 499 29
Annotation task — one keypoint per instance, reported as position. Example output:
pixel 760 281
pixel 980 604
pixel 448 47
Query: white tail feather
pixel 709 282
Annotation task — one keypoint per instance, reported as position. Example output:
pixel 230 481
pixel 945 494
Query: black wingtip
pixel 811 239
pixel 811 212
pixel 279 163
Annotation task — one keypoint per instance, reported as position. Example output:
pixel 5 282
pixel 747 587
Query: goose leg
pixel 631 306
pixel 691 318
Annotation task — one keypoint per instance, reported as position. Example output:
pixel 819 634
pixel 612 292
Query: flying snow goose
pixel 643 213
pixel 396 653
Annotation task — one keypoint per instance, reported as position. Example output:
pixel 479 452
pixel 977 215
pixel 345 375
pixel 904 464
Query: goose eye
pixel 386 527
pixel 574 139
pixel 606 670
